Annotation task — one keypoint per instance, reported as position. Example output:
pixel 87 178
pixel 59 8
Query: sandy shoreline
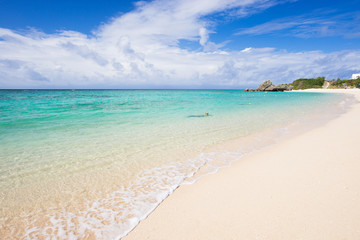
pixel 307 187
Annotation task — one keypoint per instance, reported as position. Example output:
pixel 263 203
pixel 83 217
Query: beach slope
pixel 307 187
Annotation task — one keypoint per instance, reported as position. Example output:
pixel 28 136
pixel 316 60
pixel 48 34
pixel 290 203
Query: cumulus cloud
pixel 141 49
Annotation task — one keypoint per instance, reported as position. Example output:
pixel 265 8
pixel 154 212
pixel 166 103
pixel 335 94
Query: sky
pixel 175 44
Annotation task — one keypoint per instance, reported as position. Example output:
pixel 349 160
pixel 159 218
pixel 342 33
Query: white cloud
pixel 317 24
pixel 141 49
pixel 204 36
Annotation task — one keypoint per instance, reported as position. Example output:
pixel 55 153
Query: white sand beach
pixel 305 187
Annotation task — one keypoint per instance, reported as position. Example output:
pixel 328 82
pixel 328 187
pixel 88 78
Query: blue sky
pixel 195 44
pixel 51 16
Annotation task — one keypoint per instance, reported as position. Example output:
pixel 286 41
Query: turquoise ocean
pixel 82 164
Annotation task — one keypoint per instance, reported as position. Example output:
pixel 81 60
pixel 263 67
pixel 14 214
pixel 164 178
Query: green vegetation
pixel 305 83
pixel 345 83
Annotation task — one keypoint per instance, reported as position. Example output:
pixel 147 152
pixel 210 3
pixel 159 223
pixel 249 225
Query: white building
pixel 355 76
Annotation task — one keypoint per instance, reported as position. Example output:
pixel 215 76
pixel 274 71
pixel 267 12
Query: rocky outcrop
pixel 249 90
pixel 283 87
pixel 265 85
pixel 269 86
pixel 290 87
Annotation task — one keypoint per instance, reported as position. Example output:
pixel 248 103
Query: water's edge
pixel 93 164
pixel 265 139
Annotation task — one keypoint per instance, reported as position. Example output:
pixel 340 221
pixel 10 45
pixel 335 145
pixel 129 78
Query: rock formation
pixel 265 85
pixel 283 87
pixel 269 86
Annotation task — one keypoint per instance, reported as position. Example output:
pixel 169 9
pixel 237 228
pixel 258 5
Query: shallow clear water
pixel 92 163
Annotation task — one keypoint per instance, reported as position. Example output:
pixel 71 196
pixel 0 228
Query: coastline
pixel 105 202
pixel 306 187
